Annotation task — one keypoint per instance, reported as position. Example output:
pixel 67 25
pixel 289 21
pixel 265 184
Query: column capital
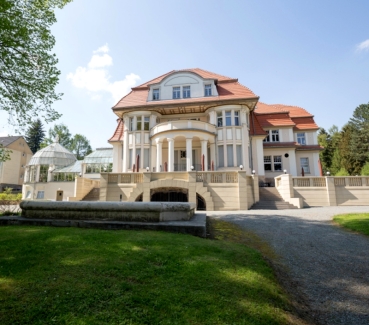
pixel 170 139
pixel 159 140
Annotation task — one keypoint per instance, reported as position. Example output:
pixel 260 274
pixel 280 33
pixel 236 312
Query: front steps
pixel 271 200
pixel 93 195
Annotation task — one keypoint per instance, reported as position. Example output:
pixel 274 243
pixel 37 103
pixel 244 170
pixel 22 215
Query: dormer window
pixel 207 90
pixel 155 94
pixel 186 92
pixel 176 92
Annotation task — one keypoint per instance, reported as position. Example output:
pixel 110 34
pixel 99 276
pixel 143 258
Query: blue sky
pixel 313 54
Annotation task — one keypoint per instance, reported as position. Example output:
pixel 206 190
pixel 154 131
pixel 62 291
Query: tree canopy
pixel 78 144
pixel 28 73
pixel 35 135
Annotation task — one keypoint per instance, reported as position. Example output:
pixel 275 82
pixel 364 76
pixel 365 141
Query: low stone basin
pixel 109 211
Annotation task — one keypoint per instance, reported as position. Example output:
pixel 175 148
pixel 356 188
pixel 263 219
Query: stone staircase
pixel 271 200
pixel 93 195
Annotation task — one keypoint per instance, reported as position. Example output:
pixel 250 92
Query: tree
pixel 35 135
pixel 365 170
pixel 28 73
pixel 80 146
pixel 359 144
pixel 4 153
pixel 62 131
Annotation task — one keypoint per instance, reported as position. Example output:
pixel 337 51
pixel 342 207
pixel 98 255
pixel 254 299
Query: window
pixel 40 195
pixel 139 124
pixel 176 92
pixel 183 153
pixel 221 156
pixel 277 163
pixel 305 164
pixel 275 135
pixel 28 195
pixel 43 173
pixel 186 92
pixel 301 138
pixel 267 163
pixel 220 119
pixel 146 160
pixel 155 94
pixel 228 118
pixel 230 155
pixel 130 158
pixel 239 155
pixel 131 123
pixel 146 123
pixel 236 118
pixel 207 90
pixel 272 136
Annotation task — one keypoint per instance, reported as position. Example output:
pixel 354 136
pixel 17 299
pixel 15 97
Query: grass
pixel 357 221
pixel 88 276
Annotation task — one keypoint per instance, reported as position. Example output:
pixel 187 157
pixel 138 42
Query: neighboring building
pixel 175 121
pixel 12 171
pixel 51 173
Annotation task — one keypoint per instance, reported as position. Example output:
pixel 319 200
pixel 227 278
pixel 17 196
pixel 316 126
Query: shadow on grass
pixel 84 276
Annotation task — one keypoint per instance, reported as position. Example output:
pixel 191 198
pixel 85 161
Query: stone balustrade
pixel 182 125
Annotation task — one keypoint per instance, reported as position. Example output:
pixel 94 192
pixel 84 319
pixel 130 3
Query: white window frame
pixel 237 118
pixel 268 161
pixel 301 138
pixel 155 94
pixel 306 165
pixel 220 119
pixel 272 161
pixel 277 160
pixel 272 136
pixel 131 128
pixel 228 118
pixel 146 123
pixel 207 90
pixel 186 91
pixel 176 92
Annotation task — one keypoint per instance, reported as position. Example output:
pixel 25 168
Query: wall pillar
pixel 125 145
pixel 159 151
pixel 188 154
pixel 146 187
pixel 192 187
pixel 170 154
pixel 242 190
pixel 331 191
pixel 204 151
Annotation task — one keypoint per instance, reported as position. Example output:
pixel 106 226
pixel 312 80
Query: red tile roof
pixel 228 89
pixel 118 134
pixel 255 127
pixel 304 123
pixel 274 120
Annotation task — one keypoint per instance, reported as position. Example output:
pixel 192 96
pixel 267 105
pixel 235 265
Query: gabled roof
pixel 304 123
pixel 118 134
pixel 5 141
pixel 255 127
pixel 228 89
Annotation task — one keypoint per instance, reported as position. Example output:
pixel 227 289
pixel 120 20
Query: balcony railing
pixel 182 125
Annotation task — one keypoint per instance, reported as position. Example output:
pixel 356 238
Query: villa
pixel 197 136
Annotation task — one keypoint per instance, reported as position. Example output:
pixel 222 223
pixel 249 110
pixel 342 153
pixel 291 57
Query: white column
pixel 204 151
pixel 125 145
pixel 170 154
pixel 189 154
pixel 159 149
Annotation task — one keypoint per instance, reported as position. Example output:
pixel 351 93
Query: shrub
pixel 9 203
pixel 365 170
pixel 342 172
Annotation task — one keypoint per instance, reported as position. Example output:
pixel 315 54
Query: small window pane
pixel 207 90
pixel 277 163
pixel 186 92
pixel 40 194
pixel 305 164
pixel 301 138
pixel 139 119
pixel 221 156
pixel 176 92
pixel 220 119
pixel 268 163
pixel 239 155
pixel 146 158
pixel 155 94
pixel 275 135
pixel 130 158
pixel 131 123
pixel 230 155
pixel 228 118
pixel 146 123
pixel 236 118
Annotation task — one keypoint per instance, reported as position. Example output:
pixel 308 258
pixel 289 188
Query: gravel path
pixel 328 267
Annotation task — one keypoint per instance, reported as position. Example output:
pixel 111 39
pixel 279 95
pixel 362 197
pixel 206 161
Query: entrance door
pixel 59 195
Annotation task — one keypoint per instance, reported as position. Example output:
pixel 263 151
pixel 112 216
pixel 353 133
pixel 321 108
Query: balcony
pixel 181 125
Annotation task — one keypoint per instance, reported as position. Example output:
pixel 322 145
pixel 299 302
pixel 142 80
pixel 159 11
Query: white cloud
pixel 363 46
pixel 95 78
pixel 103 49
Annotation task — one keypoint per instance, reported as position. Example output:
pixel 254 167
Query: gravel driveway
pixel 327 267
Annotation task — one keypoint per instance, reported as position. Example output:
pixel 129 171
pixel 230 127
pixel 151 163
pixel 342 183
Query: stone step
pixel 93 195
pixel 270 205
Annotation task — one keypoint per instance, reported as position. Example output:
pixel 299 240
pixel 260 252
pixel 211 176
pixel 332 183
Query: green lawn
pixel 357 221
pixel 87 276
